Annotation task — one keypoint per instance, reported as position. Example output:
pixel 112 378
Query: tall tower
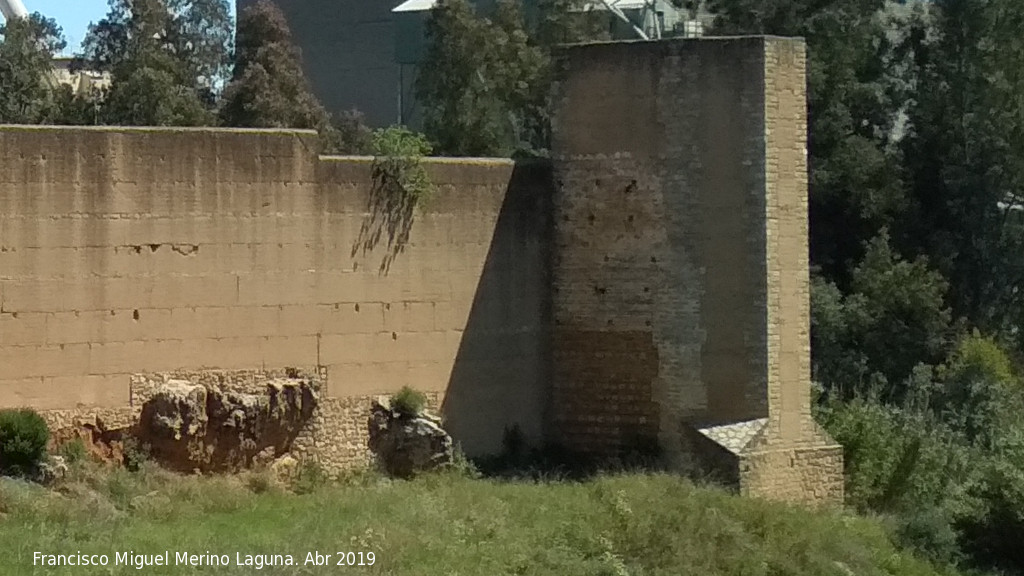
pixel 681 281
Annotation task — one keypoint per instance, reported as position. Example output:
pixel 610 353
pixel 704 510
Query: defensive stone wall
pixel 133 256
pixel 649 294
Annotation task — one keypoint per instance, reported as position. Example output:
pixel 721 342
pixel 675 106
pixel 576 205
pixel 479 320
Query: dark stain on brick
pixel 604 392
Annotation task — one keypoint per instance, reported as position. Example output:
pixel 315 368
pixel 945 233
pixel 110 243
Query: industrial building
pixel 364 54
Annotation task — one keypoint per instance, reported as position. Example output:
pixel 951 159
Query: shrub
pixel 136 454
pixel 396 166
pixel 462 466
pixel 409 402
pixel 897 459
pixel 354 136
pixel 74 452
pixel 930 531
pixel 993 530
pixel 311 477
pixel 260 482
pixel 982 392
pixel 23 438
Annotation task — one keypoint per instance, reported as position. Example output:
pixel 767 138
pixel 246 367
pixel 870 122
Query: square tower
pixel 680 274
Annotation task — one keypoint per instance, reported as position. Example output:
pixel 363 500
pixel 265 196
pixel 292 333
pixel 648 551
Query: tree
pixel 983 393
pixel 521 72
pixel 853 109
pixel 270 90
pixel 197 33
pixel 74 109
pixel 894 320
pixel 485 82
pixel 463 112
pixel 165 59
pixel 205 32
pixel 27 48
pixel 153 96
pixel 965 156
pixel 353 135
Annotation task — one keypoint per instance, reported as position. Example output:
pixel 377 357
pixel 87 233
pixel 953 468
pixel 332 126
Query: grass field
pixel 443 524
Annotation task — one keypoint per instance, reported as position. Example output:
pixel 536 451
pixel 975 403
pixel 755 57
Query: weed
pixel 449 524
pixel 310 478
pixel 409 402
pixel 136 454
pixel 73 452
pixel 260 482
pixel 396 165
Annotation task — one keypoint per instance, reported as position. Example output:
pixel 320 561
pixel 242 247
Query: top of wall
pixel 25 138
pixel 173 169
pixel 680 41
pixel 155 129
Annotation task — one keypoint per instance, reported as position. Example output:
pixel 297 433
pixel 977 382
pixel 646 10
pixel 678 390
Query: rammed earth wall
pixel 129 253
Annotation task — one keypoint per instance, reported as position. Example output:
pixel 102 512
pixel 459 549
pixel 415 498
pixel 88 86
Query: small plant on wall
pixel 400 183
pixel 409 402
pixel 397 166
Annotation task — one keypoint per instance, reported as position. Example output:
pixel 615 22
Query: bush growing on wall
pixel 23 438
pixel 396 165
pixel 409 402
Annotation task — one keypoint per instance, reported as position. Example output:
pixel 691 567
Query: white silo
pixel 13 9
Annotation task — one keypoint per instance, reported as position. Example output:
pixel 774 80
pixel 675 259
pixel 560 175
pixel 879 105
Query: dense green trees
pixel 27 47
pixel 269 88
pixel 486 82
pixel 965 156
pixel 172 63
pixel 892 304
pixel 851 115
pixel 165 58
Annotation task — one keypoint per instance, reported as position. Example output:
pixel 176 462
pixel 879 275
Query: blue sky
pixel 74 16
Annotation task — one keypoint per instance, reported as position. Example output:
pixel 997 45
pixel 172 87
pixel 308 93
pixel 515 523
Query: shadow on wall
pixel 391 212
pixel 499 380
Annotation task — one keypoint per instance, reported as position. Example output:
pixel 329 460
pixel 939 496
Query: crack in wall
pixel 181 249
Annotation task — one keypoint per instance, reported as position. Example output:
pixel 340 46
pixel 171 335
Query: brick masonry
pixel 680 277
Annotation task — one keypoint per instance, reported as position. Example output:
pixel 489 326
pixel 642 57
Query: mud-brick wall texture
pixel 680 275
pixel 128 256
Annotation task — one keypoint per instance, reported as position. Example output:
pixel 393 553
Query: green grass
pixel 444 525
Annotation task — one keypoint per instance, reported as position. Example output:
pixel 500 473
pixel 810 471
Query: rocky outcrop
pixel 103 443
pixel 406 444
pixel 191 427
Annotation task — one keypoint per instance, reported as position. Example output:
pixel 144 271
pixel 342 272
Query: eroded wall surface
pixel 128 256
pixel 659 278
pixel 680 276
